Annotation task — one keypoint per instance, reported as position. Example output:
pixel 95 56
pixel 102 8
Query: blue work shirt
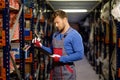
pixel 73 46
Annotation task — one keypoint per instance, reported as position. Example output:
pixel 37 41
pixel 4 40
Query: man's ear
pixel 65 19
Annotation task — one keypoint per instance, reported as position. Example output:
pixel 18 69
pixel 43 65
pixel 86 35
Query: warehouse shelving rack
pixel 106 35
pixel 6 40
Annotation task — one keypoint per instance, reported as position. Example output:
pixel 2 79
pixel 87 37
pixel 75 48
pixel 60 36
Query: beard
pixel 62 29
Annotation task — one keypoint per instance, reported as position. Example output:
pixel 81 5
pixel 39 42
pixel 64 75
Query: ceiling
pixel 75 4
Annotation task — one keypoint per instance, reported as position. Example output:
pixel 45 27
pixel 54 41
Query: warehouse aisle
pixel 85 70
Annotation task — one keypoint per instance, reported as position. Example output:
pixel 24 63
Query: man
pixel 67 47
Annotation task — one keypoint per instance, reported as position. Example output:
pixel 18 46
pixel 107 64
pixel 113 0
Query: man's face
pixel 59 23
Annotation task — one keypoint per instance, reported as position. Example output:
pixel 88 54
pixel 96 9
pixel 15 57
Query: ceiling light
pixel 74 0
pixel 74 10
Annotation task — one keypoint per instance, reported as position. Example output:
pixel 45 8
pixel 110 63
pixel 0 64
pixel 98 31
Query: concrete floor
pixel 85 70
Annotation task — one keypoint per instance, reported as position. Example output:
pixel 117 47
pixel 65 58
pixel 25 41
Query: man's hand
pixel 36 42
pixel 56 57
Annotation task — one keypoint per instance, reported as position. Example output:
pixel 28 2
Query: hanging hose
pixel 15 66
pixel 16 22
pixel 37 71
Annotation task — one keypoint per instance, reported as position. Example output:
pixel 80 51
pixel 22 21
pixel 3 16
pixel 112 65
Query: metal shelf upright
pixel 21 38
pixel 118 52
pixel 32 45
pixel 6 48
pixel 110 39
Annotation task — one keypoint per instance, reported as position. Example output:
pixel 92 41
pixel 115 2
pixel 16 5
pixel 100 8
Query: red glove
pixel 56 57
pixel 37 42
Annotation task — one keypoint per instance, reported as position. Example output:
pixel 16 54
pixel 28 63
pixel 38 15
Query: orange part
pixel 1 16
pixel 31 77
pixel 119 42
pixel 102 39
pixel 119 72
pixel 42 19
pixel 3 38
pixel 29 37
pixel 106 40
pixel 98 38
pixel 3 77
pixel 2 4
pixel 29 15
pixel 1 22
pixel 2 41
pixel 28 60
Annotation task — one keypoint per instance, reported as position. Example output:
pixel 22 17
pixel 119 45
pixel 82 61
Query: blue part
pixel 26 32
pixel 15 49
pixel 17 56
pixel 28 3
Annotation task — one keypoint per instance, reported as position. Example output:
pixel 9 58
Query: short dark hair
pixel 59 13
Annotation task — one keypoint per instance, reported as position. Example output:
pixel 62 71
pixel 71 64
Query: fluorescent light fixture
pixel 73 0
pixel 74 10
